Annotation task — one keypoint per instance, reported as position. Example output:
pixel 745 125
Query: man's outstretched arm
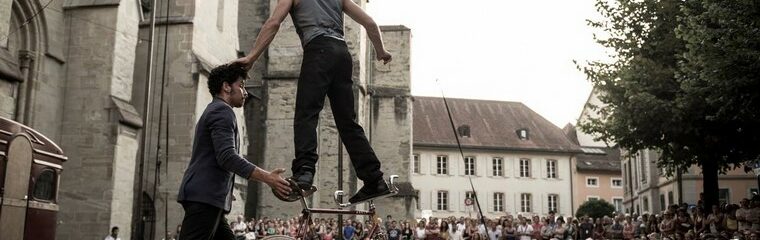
pixel 267 33
pixel 373 31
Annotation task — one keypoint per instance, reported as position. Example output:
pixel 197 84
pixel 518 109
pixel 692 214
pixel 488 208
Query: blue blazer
pixel 209 176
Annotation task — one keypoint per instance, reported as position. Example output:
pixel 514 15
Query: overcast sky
pixel 499 50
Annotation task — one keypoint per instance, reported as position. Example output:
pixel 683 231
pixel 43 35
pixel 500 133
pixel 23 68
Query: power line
pixel 28 20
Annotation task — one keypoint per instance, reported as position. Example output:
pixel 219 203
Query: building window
pixel 646 204
pixel 469 166
pixel 663 204
pixel 643 165
pixel 417 193
pixel 553 202
pixel 523 134
pixel 464 131
pixel 44 186
pixel 443 200
pixel 589 198
pixel 551 169
pixel 723 196
pixel 416 163
pixel 442 165
pixel 617 183
pixel 498 166
pixel 671 201
pixel 618 203
pixel 592 182
pixel 498 202
pixel 524 167
pixel 525 202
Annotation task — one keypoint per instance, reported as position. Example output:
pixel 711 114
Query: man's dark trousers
pixel 326 71
pixel 204 222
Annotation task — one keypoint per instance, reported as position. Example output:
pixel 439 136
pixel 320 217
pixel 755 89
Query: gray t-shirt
pixel 313 18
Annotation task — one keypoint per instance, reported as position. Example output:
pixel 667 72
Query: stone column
pixel 391 118
pixel 99 125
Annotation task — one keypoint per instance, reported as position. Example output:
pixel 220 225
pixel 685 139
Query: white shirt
pixel 239 228
pixel 111 238
pixel 494 234
pixel 525 231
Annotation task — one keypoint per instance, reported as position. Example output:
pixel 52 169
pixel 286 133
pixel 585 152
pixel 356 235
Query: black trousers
pixel 204 222
pixel 326 71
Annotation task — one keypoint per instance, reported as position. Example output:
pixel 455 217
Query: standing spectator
pixel 406 232
pixel 666 225
pixel 754 214
pixel 537 226
pixel 393 232
pixel 493 233
pixel 571 231
pixel 456 233
pixel 683 222
pixel 715 221
pixel 732 225
pixel 328 234
pixel 114 234
pixel 628 231
pixel 598 229
pixel 547 231
pixel 559 228
pixel 445 232
pixel 742 215
pixel 238 227
pixel 586 229
pixel 524 230
pixel 432 232
pixel 508 231
pixel 348 231
pixel 419 233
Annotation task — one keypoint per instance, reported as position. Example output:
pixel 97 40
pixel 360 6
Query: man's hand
pixel 277 182
pixel 385 56
pixel 244 62
pixel 273 179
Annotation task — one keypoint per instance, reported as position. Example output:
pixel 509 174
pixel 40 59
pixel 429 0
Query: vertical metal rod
pixel 340 185
pixel 146 124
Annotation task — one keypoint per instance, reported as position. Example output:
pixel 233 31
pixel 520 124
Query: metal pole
pixel 340 185
pixel 146 124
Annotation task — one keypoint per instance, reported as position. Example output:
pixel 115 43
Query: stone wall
pixel 96 187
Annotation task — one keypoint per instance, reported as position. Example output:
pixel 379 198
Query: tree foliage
pixel 683 81
pixel 595 208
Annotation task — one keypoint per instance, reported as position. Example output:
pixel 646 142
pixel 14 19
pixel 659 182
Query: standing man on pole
pixel 325 71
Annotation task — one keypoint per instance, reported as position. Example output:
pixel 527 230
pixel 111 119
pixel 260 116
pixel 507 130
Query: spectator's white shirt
pixel 239 228
pixel 494 234
pixel 482 229
pixel 460 226
pixel 456 234
pixel 250 236
pixel 111 238
pixel 525 231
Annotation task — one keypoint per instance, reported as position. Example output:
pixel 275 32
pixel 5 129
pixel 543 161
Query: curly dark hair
pixel 224 73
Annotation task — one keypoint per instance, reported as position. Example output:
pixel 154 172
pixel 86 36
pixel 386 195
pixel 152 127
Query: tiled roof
pixel 492 125
pixel 599 159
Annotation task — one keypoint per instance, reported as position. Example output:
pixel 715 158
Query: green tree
pixel 684 81
pixel 595 208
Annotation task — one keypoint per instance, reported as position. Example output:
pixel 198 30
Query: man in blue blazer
pixel 206 189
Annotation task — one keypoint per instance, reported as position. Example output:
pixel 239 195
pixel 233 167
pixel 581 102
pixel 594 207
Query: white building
pixel 518 161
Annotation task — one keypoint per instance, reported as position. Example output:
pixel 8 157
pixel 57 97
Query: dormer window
pixel 464 130
pixel 522 134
